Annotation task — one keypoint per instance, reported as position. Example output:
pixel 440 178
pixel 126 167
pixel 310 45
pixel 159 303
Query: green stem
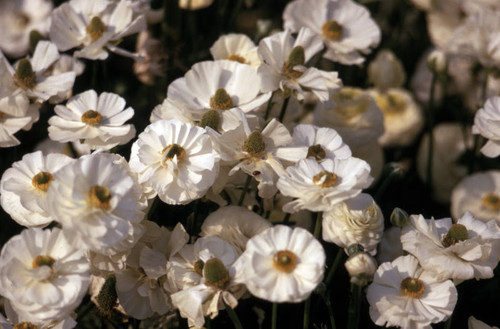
pixel 269 107
pixel 317 225
pixel 430 127
pixel 354 307
pixel 244 192
pixel 234 317
pixel 326 299
pixel 307 312
pixel 153 208
pixel 274 316
pixel 286 219
pixel 334 266
pixel 283 109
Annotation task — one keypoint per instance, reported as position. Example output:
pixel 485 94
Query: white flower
pixel 33 78
pixel 154 63
pixel 23 188
pixel 346 27
pixel 203 273
pixel 94 24
pixel 254 152
pixel 194 4
pixel 386 71
pixel 476 324
pixel 234 225
pixel 405 295
pixel 43 275
pixel 176 160
pixel 283 66
pixel 465 250
pixel 479 194
pixel 143 288
pixel 355 221
pixel 282 264
pixel 354 115
pixel 236 47
pixel 487 123
pixel 20 320
pixel 218 85
pixel 97 120
pixel 403 117
pixel 96 201
pixel 319 186
pixel 312 141
pixel 18 19
pixel 11 123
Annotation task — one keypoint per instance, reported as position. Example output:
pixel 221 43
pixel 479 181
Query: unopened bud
pixel 361 267
pixel 399 217
pixel 437 62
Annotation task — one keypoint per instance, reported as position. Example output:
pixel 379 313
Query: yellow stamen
pixel 285 261
pixel 491 201
pixel 412 287
pixel 316 151
pixel 99 197
pixel 296 57
pixel 332 30
pixel 325 178
pixel 91 117
pixel 42 180
pixel 171 151
pixel 236 58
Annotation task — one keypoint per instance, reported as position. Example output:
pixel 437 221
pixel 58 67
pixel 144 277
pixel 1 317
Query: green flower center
pixel 198 266
pixel 99 197
pixel 96 28
pixel 254 145
pixel 296 57
pixel 215 273
pixel 42 180
pixel 211 118
pixel 171 151
pixel 42 260
pixel 25 77
pixel 221 100
pixel 332 30
pixel 412 287
pixel 491 201
pixel 316 151
pixel 456 233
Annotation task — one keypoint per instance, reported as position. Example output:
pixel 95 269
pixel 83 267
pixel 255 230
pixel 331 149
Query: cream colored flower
pixel 476 324
pixel 361 267
pixel 479 194
pixel 386 71
pixel 236 47
pixel 43 275
pixel 347 28
pixel 355 116
pixel 487 124
pixel 403 117
pixel 281 264
pixel 320 186
pixel 465 250
pixel 95 120
pixel 23 188
pixel 355 221
pixel 194 4
pixel 234 225
pixel 407 296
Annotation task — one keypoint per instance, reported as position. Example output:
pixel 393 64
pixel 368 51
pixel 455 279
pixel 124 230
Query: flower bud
pixel 361 267
pixel 437 62
pixel 399 217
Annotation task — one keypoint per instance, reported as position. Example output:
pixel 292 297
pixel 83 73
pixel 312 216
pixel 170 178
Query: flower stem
pixel 334 266
pixel 354 307
pixel 447 325
pixel 234 317
pixel 307 312
pixel 245 189
pixel 430 127
pixel 269 107
pixel 274 316
pixel 283 109
pixel 317 225
pixel 326 299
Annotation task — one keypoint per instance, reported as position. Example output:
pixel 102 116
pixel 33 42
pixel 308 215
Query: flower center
pixel 42 260
pixel 215 273
pixel 285 261
pixel 351 103
pixel 254 145
pixel 456 233
pixel 236 58
pixel 25 325
pixel 198 266
pixel 332 30
pixel 99 197
pixel 211 118
pixel 296 57
pixel 91 118
pixel 21 20
pixel 96 28
pixel 171 151
pixel 391 104
pixel 221 100
pixel 316 151
pixel 42 180
pixel 412 287
pixel 491 201
pixel 325 179
pixel 25 77
pixel 106 299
